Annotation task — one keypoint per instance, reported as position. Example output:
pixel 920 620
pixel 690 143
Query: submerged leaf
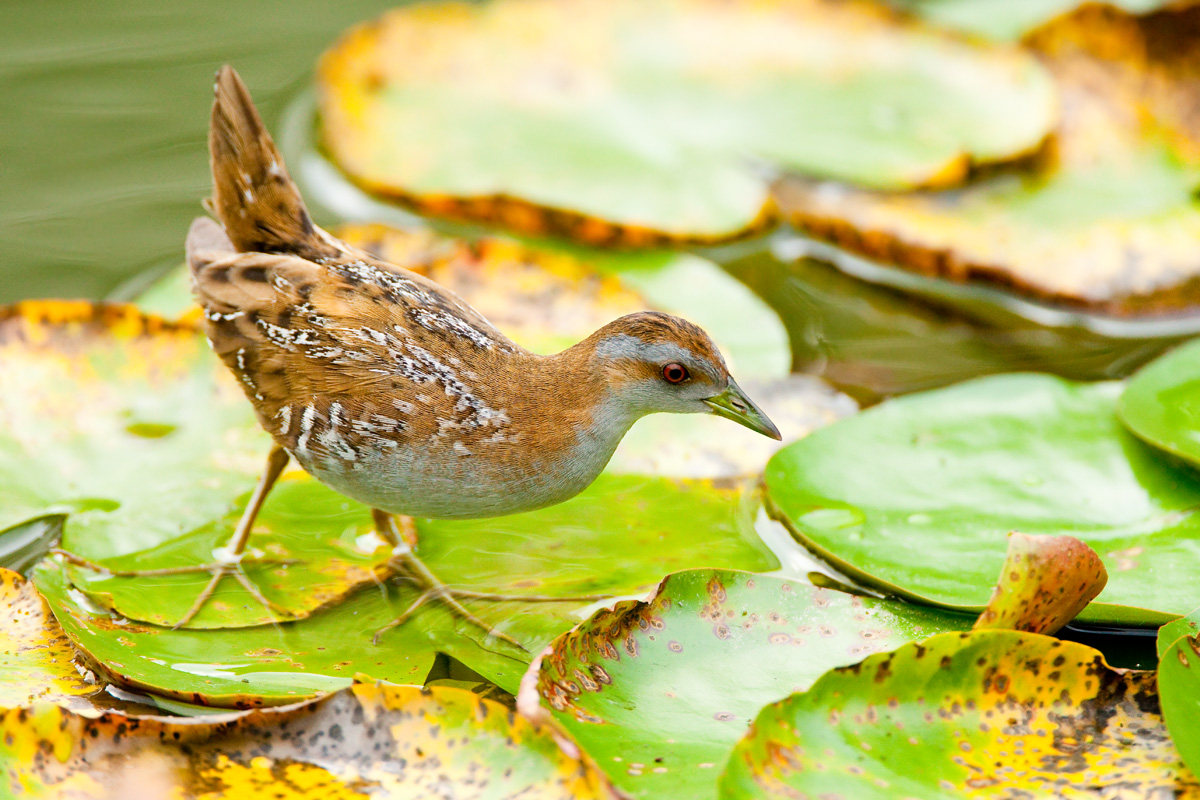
pixel 992 713
pixel 1044 583
pixel 37 662
pixel 916 495
pixel 659 691
pixel 635 122
pixel 371 740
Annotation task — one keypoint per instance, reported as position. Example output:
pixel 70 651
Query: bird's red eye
pixel 675 373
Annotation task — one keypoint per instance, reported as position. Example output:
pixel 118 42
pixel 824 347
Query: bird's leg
pixel 228 558
pixel 433 588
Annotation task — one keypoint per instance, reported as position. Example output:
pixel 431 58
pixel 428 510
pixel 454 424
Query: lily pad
pixel 638 122
pixel 1162 403
pixel 1006 20
pixel 113 418
pixel 916 496
pixel 377 740
pixel 659 691
pixel 1044 583
pixel 619 537
pixel 991 713
pixel 1179 684
pixel 37 662
pixel 1108 223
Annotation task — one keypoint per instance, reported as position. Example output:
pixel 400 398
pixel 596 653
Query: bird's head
pixel 656 362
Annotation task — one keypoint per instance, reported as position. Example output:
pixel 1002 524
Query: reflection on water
pixel 105 106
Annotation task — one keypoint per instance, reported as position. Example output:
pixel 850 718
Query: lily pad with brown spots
pixel 659 691
pixel 370 740
pixel 1044 583
pixel 37 662
pixel 643 122
pixel 997 714
pixel 617 538
pixel 1106 221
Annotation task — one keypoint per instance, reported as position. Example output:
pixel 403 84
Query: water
pixel 105 108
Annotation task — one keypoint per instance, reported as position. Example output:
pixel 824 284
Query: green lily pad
pixel 1044 583
pixel 917 496
pixel 1179 684
pixel 637 122
pixel 1107 223
pixel 1162 403
pixel 377 740
pixel 617 538
pixel 659 691
pixel 991 713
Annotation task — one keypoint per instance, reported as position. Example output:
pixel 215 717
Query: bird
pixel 393 391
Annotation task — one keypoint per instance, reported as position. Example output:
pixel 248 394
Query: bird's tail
pixel 253 195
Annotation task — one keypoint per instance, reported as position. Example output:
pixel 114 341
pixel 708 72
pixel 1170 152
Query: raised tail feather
pixel 253 195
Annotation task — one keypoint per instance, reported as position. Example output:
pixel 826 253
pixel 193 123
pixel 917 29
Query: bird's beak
pixel 733 404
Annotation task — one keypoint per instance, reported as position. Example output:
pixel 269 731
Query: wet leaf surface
pixel 1044 583
pixel 916 496
pixel 123 422
pixel 619 537
pixel 992 713
pixel 1161 404
pixel 1179 684
pixel 367 741
pixel 1105 221
pixel 636 123
pixel 36 659
pixel 659 691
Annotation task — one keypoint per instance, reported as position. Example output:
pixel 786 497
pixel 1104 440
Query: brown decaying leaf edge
pixel 1098 52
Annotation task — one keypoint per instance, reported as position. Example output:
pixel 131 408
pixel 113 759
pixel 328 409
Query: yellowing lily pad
pixel 370 740
pixel 917 496
pixel 1044 583
pixel 37 662
pixel 1107 221
pixel 640 122
pixel 659 691
pixel 1007 20
pixel 986 714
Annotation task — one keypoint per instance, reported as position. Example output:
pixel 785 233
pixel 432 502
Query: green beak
pixel 733 404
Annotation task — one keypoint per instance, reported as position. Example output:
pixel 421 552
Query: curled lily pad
pixel 385 741
pixel 659 691
pixel 1044 583
pixel 1179 684
pixel 1108 223
pixel 989 713
pixel 917 496
pixel 1161 404
pixel 37 662
pixel 619 537
pixel 636 122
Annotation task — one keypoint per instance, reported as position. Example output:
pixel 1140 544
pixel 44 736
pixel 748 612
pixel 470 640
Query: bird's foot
pixel 433 589
pixel 226 563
